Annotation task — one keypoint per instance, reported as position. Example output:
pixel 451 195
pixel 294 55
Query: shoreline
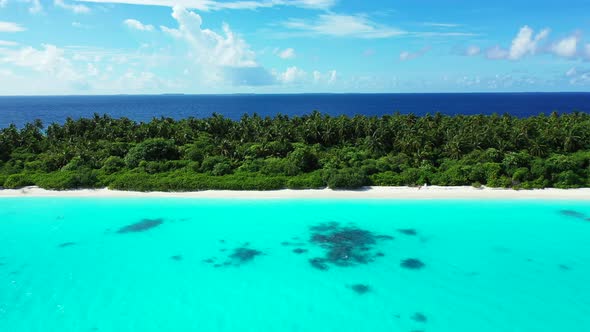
pixel 383 193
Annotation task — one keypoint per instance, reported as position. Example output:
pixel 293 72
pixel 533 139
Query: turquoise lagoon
pixel 78 265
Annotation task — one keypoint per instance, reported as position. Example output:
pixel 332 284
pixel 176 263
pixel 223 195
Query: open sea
pixel 111 265
pixel 20 110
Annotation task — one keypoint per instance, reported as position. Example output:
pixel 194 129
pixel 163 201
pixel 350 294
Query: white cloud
pixel 472 51
pixel 567 47
pixel 288 53
pixel 211 5
pixel 292 75
pixel 137 25
pixel 92 70
pixel 10 27
pixel 7 43
pixel 358 26
pixel 571 72
pixel 578 77
pixel 332 76
pixel 328 78
pixel 296 76
pixel 49 60
pixel 526 42
pixel 209 47
pixel 78 8
pixel 36 6
pixel 587 51
pixel 406 55
pixel 220 57
pixel 317 76
pixel 496 53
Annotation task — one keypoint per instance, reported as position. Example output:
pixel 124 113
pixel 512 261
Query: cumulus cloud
pixel 578 77
pixel 496 53
pixel 210 47
pixel 7 43
pixel 406 55
pixel 211 5
pixel 571 72
pixel 357 26
pixel 472 51
pixel 77 8
pixel 10 27
pixel 288 53
pixel 327 78
pixel 48 60
pixel 219 56
pixel 137 25
pixel 566 47
pixel 35 6
pixel 292 75
pixel 526 42
pixel 297 76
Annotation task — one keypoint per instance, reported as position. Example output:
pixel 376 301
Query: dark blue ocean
pixel 20 110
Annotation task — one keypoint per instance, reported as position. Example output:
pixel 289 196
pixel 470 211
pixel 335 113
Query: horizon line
pixel 295 94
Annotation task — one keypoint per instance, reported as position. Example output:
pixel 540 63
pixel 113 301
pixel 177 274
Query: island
pixel 313 151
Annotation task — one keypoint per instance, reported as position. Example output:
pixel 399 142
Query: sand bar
pixel 430 192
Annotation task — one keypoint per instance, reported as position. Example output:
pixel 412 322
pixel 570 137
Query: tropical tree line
pixel 311 151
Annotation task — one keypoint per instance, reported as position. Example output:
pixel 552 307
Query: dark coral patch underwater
pixel 344 245
pixel 243 255
pixel 412 264
pixel 142 226
pixel 419 317
pixel 239 256
pixel 319 263
pixel 360 288
pixel 408 231
pixel 573 214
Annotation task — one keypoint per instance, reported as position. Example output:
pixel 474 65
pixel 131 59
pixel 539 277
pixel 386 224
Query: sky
pixel 63 47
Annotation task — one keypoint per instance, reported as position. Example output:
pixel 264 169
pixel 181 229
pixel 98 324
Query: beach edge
pixel 427 192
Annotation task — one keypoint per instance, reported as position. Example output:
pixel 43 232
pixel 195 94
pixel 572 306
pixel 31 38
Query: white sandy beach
pixel 430 192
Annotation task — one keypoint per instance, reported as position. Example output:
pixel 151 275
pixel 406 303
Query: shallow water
pixel 230 265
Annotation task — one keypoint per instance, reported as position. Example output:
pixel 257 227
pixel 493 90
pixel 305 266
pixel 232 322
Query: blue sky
pixel 292 46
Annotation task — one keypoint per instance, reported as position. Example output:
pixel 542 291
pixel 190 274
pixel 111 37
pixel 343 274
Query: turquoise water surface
pixel 293 265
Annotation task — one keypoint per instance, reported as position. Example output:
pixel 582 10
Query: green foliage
pixel 63 180
pixel 311 151
pixel 153 149
pixel 216 165
pixel 183 181
pixel 347 178
pixel 307 181
pixel 113 164
pixel 16 181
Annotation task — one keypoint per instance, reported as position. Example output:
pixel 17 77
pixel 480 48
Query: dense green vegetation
pixel 312 151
